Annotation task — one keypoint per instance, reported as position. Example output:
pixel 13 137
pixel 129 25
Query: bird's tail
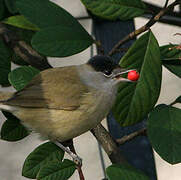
pixel 4 96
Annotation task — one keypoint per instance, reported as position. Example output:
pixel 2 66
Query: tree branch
pixel 144 28
pixel 22 49
pixel 108 144
pixel 166 3
pixel 79 169
pixel 131 136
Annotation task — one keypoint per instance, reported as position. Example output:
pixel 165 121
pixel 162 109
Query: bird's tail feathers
pixel 4 96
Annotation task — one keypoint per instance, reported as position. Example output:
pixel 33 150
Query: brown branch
pixel 129 137
pixel 22 49
pixel 108 144
pixel 144 28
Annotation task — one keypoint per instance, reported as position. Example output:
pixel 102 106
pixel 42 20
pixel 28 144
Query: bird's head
pixel 109 69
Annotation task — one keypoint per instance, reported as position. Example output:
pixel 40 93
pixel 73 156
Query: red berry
pixel 133 75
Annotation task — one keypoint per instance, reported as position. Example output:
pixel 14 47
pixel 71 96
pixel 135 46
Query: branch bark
pixel 108 144
pixel 144 28
pixel 131 136
pixel 22 49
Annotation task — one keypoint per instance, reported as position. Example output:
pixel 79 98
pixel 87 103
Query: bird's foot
pixel 77 160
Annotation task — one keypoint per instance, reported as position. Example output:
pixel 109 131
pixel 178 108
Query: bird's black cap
pixel 102 63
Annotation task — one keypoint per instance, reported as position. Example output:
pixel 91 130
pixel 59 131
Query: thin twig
pixel 83 18
pixel 129 137
pixel 79 169
pixel 144 28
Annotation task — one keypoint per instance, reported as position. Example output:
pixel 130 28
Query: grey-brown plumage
pixel 62 103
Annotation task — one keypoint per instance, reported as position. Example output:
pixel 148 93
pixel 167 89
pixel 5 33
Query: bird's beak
pixel 119 72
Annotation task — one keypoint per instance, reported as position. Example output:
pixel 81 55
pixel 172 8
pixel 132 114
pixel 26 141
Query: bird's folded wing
pixel 56 88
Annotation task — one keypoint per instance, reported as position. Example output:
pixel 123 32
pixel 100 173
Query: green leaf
pixel 164 132
pixel 171 58
pixel 21 76
pixel 23 34
pixel 21 22
pixel 11 5
pixel 2 9
pixel 40 157
pixel 178 100
pixel 124 172
pixel 57 171
pixel 12 129
pixel 115 9
pixel 44 13
pixel 8 115
pixel 61 41
pixel 136 100
pixel 18 60
pixel 5 64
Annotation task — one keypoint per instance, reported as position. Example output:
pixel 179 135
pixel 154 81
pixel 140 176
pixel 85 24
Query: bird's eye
pixel 107 73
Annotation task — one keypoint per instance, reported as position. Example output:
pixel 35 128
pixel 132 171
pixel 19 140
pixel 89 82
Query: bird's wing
pixel 56 88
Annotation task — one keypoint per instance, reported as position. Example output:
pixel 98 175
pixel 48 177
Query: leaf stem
pixel 144 28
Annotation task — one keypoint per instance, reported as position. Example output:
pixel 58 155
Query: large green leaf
pixel 57 170
pixel 45 13
pixel 56 39
pixel 5 63
pixel 21 22
pixel 12 129
pixel 61 41
pixel 164 132
pixel 171 58
pixel 115 9
pixel 136 100
pixel 11 5
pixel 21 76
pixel 40 157
pixel 124 172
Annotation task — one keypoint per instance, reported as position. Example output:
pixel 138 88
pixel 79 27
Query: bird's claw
pixel 77 160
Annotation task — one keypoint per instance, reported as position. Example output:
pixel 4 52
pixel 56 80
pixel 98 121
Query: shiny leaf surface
pixel 12 129
pixel 136 100
pixel 40 157
pixel 171 58
pixel 61 41
pixel 125 172
pixel 164 132
pixel 115 9
pixel 20 22
pixel 57 170
pixel 20 77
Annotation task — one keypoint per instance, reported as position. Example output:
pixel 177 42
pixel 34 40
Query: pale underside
pixel 59 111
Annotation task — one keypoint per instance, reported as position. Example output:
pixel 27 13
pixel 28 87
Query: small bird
pixel 64 102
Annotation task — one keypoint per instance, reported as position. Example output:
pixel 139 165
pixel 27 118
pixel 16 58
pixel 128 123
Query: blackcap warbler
pixel 62 103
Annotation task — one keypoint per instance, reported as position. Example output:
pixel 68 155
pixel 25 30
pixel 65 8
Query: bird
pixel 64 102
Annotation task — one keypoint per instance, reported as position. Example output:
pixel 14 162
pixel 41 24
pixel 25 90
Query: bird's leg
pixel 77 160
